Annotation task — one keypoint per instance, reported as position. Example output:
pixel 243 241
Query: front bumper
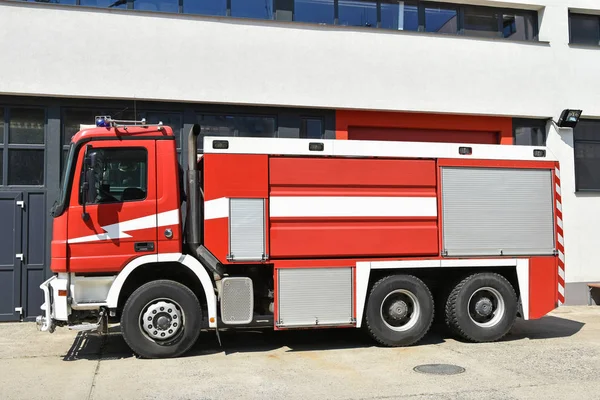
pixel 55 307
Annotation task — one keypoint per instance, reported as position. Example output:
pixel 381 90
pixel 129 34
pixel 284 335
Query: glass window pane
pixel 259 9
pixel 26 126
pixel 400 15
pixel 357 13
pixel 312 128
pixel 173 120
pixel 518 27
pixel 587 165
pixel 105 3
pixel 314 11
pixel 73 118
pixel 587 129
pixel 1 167
pixel 530 136
pixel 212 7
pixel 481 22
pixel 585 29
pixel 53 1
pixel 25 167
pixel 121 175
pixel 1 125
pixel 236 125
pixel 441 20
pixel 72 121
pixel 157 5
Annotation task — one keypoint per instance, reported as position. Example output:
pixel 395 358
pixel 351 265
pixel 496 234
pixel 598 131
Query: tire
pixel 160 304
pixel 414 311
pixel 473 325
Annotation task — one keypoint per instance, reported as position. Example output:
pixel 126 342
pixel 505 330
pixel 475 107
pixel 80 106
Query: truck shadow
pixel 92 346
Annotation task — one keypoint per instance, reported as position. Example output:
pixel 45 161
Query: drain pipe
pixel 194 210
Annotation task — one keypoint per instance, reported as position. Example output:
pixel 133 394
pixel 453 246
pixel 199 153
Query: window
pixel 584 29
pixel 481 22
pixel 399 15
pixel 357 13
pixel 213 7
pixel 121 175
pixel 586 143
pixel 311 128
pixel 236 125
pixel 157 5
pixel 22 140
pixel 314 11
pixel 104 3
pixel 410 15
pixel 259 9
pixel 441 19
pixel 529 132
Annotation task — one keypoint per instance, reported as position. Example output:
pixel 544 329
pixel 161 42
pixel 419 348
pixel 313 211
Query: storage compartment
pixel 497 211
pixel 314 296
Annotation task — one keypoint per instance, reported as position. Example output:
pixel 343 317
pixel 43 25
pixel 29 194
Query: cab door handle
pixel 144 246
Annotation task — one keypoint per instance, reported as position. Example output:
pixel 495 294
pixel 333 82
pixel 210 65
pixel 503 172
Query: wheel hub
pixel 398 310
pixel 161 320
pixel 484 307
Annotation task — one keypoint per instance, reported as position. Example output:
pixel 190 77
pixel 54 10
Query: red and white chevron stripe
pixel 560 241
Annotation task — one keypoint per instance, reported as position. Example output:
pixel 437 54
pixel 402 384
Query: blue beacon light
pixel 102 122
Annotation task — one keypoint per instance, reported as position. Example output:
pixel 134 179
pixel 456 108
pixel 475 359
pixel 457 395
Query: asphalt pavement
pixel 556 357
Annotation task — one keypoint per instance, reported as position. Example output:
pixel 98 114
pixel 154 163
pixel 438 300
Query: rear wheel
pixel 399 311
pixel 482 307
pixel 161 319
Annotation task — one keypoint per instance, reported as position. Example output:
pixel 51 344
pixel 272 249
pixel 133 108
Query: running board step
pixel 84 327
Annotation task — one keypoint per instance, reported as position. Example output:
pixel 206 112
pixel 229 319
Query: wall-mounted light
pixel 569 118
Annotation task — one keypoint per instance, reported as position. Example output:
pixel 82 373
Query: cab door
pixel 119 221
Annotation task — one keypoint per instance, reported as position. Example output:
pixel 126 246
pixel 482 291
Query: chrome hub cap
pixel 400 310
pixel 483 307
pixel 486 307
pixel 161 319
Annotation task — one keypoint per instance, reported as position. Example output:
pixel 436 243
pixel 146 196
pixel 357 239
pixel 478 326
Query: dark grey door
pixel 10 255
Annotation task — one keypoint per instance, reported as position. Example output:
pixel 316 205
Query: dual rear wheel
pixel 400 309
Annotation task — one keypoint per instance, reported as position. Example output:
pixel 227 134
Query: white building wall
pixel 124 54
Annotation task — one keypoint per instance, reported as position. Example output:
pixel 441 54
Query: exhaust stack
pixel 194 209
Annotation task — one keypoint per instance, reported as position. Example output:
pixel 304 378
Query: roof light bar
pixel 106 121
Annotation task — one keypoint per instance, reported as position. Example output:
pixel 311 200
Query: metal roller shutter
pixel 490 212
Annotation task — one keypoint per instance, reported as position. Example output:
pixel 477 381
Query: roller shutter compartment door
pixel 497 211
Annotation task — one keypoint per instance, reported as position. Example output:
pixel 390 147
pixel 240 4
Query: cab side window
pixel 121 175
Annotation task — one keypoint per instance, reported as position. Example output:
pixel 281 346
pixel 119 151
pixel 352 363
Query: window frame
pixel 575 168
pixel 6 147
pixel 302 132
pixel 571 13
pixel 284 11
pixel 529 123
pixel 200 114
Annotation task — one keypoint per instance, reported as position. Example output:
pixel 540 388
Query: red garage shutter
pixel 422 135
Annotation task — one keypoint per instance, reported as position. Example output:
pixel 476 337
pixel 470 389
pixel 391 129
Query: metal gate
pixel 11 255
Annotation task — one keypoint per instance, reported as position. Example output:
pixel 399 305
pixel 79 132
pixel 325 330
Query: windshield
pixel 59 205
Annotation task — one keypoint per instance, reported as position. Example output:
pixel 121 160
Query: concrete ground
pixel 555 357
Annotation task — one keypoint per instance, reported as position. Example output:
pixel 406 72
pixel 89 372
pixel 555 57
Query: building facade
pixel 476 71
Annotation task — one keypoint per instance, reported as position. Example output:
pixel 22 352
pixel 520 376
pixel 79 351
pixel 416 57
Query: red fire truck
pixel 298 234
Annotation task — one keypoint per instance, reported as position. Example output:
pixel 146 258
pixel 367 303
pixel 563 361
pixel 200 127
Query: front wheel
pixel 161 319
pixel 399 311
pixel 482 307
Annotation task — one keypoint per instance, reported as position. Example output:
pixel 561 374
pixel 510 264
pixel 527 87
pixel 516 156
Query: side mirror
pixel 88 179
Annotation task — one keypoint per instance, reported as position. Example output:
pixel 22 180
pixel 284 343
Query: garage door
pixel 422 135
